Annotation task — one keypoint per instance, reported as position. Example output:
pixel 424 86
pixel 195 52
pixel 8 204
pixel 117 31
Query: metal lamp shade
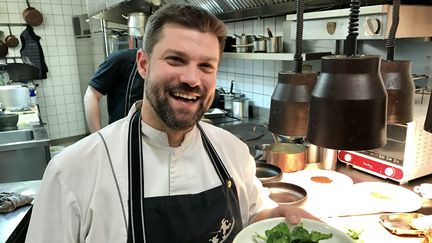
pixel 289 108
pixel 400 91
pixel 348 104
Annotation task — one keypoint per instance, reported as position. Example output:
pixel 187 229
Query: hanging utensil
pixel 32 16
pixel 3 49
pixel 275 138
pixel 11 40
pixel 270 34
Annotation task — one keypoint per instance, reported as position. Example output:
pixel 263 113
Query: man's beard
pixel 158 99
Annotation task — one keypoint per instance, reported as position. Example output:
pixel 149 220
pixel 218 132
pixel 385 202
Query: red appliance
pixel 407 154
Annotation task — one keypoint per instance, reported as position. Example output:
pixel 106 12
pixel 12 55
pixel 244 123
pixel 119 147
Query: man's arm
pixel 92 109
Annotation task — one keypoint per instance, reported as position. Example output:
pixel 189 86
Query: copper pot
pixel 32 16
pixel 289 157
pixel 11 39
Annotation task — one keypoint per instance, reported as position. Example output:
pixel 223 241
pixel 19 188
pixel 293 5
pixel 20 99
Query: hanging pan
pixel 11 40
pixel 32 16
pixel 3 49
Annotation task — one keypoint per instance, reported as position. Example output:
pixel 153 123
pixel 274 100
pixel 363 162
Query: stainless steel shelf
pixel 274 56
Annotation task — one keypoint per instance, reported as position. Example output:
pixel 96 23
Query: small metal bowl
pixel 267 172
pixel 286 193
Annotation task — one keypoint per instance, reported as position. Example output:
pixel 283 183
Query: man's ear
pixel 142 63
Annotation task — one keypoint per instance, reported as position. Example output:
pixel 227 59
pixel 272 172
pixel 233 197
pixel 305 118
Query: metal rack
pixel 13 24
pixel 274 56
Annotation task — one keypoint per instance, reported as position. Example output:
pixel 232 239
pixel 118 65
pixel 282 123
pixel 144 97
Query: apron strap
pixel 136 227
pixel 214 157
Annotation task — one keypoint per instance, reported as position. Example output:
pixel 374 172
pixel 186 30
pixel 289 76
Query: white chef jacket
pixel 84 198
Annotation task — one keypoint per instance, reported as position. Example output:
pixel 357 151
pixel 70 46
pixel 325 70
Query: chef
pixel 117 78
pixel 159 175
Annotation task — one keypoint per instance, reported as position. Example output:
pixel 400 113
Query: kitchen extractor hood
pixel 226 10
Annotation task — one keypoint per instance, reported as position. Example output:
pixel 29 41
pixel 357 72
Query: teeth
pixel 185 96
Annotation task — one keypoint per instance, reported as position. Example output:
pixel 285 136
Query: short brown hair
pixel 185 15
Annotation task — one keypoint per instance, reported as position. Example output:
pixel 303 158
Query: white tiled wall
pixel 59 95
pixel 255 78
pixel 258 78
pixel 72 62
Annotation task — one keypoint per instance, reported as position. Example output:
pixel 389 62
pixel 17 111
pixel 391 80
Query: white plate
pixel 387 197
pixel 248 233
pixel 305 178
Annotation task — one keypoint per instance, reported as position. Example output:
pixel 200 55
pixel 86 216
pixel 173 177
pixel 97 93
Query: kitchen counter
pixel 253 132
pixel 24 154
pixel 13 225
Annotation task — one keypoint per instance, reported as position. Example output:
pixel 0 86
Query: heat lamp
pixel 289 108
pixel 397 78
pixel 349 100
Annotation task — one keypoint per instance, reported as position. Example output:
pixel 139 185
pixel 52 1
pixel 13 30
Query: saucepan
pixel 259 44
pixel 273 43
pixel 289 157
pixel 243 43
pixel 261 151
pixel 267 172
pixel 285 193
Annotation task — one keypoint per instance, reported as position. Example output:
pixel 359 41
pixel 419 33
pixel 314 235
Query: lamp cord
pixel 299 37
pixel 390 43
pixel 353 28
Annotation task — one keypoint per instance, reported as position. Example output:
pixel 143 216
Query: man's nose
pixel 190 75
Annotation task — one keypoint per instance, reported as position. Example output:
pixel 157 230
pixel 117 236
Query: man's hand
pixel 291 213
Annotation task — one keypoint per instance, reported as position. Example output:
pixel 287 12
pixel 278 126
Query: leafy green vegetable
pixel 355 235
pixel 282 234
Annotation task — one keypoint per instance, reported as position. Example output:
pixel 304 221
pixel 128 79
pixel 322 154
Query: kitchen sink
pixel 16 136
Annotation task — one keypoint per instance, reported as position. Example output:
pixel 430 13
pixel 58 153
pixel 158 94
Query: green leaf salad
pixel 282 234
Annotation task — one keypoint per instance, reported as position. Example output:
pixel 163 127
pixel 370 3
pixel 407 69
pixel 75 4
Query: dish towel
pixel 9 201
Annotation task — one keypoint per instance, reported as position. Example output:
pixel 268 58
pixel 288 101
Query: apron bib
pixel 210 216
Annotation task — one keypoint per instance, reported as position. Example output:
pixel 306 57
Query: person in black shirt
pixel 118 79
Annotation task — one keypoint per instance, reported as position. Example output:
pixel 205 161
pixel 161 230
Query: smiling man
pixel 159 174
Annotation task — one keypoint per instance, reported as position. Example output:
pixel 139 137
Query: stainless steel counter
pixel 24 138
pixel 24 154
pixel 13 225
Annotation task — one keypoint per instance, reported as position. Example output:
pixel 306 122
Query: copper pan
pixel 32 16
pixel 289 157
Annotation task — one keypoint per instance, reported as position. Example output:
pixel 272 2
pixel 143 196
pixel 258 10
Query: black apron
pixel 209 216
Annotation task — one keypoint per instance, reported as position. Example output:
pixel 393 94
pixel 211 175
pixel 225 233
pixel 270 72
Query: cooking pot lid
pixel 286 193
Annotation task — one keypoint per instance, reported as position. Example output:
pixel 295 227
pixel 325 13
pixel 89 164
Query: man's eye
pixel 207 68
pixel 174 60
